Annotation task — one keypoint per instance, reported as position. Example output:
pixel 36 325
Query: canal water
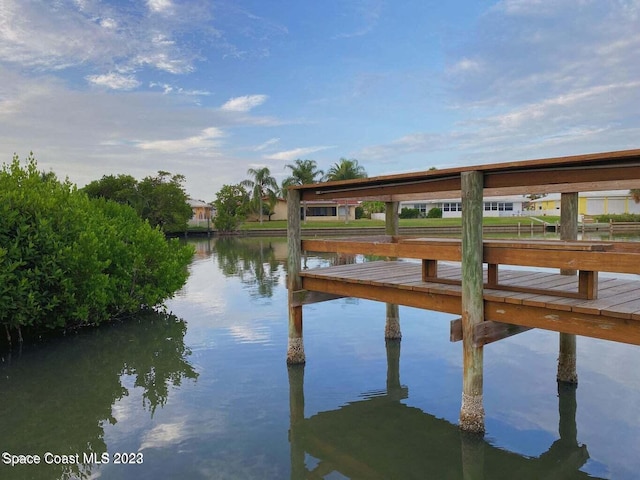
pixel 202 391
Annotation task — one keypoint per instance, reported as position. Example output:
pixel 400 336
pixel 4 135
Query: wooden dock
pixel 497 287
pixel 614 315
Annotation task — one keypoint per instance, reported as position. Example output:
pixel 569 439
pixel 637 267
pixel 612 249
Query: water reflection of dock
pixel 380 437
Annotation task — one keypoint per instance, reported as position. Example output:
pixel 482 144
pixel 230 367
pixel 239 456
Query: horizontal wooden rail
pixel 587 257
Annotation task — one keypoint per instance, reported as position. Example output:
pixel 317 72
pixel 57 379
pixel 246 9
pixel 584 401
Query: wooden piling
pixel 472 411
pixel 295 348
pixel 567 344
pixel 392 325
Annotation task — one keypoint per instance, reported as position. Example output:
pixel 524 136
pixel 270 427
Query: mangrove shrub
pixel 67 260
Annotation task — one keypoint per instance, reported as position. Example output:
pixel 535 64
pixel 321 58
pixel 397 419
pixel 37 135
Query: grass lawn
pixel 412 222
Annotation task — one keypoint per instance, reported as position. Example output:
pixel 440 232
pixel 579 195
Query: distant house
pixel 202 213
pixel 590 203
pixel 506 206
pixel 328 210
pixel 316 211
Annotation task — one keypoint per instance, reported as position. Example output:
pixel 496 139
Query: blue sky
pixel 211 88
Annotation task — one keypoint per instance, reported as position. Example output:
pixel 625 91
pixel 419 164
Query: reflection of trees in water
pixel 58 397
pixel 253 261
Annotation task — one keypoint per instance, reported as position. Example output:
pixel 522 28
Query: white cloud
pixel 115 81
pixel 58 35
pixel 159 6
pixel 367 14
pixel 244 104
pixel 296 153
pixel 207 139
pixel 269 143
pixel 464 65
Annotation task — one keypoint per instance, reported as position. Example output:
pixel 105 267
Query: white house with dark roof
pixel 505 206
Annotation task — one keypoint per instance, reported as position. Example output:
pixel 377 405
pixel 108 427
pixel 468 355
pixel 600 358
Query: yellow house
pixel 590 203
pixel 202 212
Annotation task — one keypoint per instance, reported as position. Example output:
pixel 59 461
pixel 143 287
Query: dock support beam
pixel 569 232
pixel 295 347
pixel 392 325
pixel 472 411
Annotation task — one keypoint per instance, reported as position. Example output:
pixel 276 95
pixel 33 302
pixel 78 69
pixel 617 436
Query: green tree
pixel 164 202
pixel 635 194
pixel 346 169
pixel 68 260
pixel 122 189
pixel 303 172
pixel 232 203
pixel 262 184
pixel 160 199
pixel 372 206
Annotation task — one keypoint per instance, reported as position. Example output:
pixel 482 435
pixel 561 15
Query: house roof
pixel 197 203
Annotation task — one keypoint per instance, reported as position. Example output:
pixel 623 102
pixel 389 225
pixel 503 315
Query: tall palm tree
pixel 303 172
pixel 346 169
pixel 262 184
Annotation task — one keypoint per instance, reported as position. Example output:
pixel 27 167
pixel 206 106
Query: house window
pixel 452 207
pixel 321 211
pixel 498 206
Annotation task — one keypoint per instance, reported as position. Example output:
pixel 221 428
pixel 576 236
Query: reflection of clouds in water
pixel 251 333
pixel 206 287
pixel 231 465
pixel 164 435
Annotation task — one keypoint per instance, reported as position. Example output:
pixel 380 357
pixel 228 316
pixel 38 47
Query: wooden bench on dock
pixel 586 257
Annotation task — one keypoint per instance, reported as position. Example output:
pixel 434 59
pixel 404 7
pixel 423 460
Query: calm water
pixel 205 393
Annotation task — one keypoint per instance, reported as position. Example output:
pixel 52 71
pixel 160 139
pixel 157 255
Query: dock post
pixel 295 347
pixel 568 231
pixel 472 411
pixel 392 325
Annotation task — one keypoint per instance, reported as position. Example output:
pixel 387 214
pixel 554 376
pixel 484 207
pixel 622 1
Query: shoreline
pixel 539 228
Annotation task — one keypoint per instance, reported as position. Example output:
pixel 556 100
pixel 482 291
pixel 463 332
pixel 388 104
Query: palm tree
pixel 346 169
pixel 303 172
pixel 262 184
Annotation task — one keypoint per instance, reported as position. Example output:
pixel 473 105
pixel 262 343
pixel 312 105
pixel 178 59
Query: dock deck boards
pixel 401 282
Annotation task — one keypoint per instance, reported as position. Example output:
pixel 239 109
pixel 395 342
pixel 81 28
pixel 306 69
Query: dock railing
pixel 587 257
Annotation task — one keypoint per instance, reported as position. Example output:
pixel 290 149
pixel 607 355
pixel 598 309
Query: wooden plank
pixel 488 332
pixel 596 326
pixel 438 303
pixel 306 297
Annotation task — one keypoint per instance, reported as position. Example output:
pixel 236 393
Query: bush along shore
pixel 68 261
